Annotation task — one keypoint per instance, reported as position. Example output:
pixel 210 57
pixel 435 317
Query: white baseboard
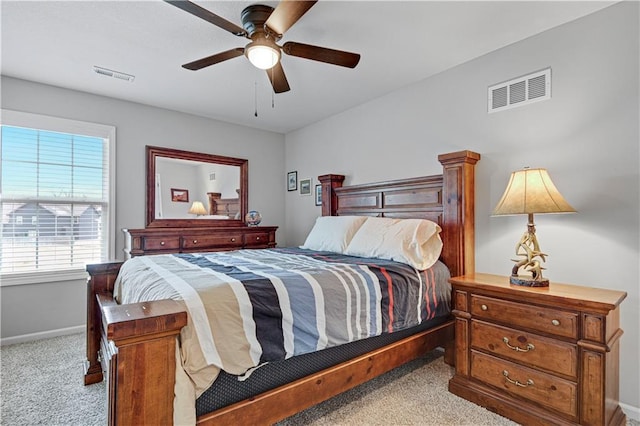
pixel 631 411
pixel 42 335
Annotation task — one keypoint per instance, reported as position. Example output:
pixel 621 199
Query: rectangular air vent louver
pixel 520 91
pixel 115 74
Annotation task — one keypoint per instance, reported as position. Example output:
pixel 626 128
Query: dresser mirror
pixel 190 189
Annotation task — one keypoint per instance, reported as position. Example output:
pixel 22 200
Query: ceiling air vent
pixel 115 74
pixel 520 91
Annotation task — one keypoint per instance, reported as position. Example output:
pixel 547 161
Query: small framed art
pixel 179 195
pixel 305 186
pixel 318 195
pixel 292 181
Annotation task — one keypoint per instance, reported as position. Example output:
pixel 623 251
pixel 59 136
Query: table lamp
pixel 197 208
pixel 530 191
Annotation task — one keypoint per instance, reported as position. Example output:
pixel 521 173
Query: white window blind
pixel 55 199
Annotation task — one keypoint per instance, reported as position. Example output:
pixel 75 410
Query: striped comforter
pixel 249 307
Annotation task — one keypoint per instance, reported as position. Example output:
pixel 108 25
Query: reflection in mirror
pixel 191 189
pixel 208 183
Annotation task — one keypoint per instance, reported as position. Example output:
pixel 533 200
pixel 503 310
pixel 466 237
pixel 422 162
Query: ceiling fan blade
pixel 214 59
pixel 322 54
pixel 210 17
pixel 278 79
pixel 286 14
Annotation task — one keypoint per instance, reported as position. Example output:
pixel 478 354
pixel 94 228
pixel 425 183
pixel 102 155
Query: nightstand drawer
pixel 546 320
pixel 550 391
pixel 537 351
pixel 161 243
pixel 257 239
pixel 204 242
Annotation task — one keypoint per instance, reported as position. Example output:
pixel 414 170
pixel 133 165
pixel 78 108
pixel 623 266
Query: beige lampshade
pixel 531 191
pixel 197 208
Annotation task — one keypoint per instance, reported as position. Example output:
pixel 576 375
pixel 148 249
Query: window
pixel 56 194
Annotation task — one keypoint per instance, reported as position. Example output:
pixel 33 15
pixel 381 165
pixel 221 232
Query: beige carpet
pixel 415 394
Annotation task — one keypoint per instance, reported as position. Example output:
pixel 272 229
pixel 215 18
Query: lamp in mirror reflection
pixel 197 208
pixel 530 191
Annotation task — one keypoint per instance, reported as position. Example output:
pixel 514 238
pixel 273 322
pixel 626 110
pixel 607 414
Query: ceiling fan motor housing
pixel 253 18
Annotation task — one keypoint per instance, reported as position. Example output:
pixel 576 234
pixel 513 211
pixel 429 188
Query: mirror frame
pixel 154 151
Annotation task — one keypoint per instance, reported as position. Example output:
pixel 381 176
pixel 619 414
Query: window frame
pixel 64 125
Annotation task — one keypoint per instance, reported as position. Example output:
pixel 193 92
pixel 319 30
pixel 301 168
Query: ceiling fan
pixel 265 26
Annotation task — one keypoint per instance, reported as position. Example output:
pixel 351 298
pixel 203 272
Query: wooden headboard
pixel 223 206
pixel 447 199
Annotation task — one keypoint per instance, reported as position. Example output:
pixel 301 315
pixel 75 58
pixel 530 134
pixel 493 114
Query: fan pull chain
pixel 255 98
pixel 273 90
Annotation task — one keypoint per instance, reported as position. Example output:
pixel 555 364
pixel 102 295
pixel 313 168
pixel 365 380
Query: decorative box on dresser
pixel 538 355
pixel 178 240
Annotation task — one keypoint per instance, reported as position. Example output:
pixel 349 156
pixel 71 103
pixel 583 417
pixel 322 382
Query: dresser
pixel 538 355
pixel 181 240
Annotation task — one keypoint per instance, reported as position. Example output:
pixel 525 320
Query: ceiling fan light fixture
pixel 262 54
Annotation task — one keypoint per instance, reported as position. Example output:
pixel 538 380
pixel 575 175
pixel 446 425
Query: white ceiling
pixel 401 42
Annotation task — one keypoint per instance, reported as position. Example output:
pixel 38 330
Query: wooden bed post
pixel 329 197
pixel 100 282
pixel 458 199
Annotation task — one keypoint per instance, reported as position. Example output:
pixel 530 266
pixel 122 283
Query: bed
pixel 218 206
pixel 134 345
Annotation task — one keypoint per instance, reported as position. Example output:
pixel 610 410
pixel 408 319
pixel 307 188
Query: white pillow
pixel 333 233
pixel 415 242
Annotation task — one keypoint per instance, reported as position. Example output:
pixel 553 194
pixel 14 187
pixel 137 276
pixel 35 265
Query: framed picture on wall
pixel 179 195
pixel 292 181
pixel 305 186
pixel 318 195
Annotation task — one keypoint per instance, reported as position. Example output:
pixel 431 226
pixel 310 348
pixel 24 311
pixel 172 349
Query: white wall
pixel 178 175
pixel 28 309
pixel 586 136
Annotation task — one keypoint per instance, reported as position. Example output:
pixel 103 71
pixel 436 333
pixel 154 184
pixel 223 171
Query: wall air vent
pixel 114 74
pixel 520 91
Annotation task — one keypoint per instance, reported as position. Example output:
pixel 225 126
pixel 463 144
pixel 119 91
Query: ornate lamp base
pixel 528 281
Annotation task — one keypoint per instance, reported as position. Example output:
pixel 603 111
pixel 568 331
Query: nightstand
pixel 538 355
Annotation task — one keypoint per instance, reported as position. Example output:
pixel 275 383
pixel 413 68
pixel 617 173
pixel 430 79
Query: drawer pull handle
pixel 257 238
pixel 505 373
pixel 195 241
pixel 530 346
pixel 484 307
pixel 555 322
pixel 233 240
pixel 161 243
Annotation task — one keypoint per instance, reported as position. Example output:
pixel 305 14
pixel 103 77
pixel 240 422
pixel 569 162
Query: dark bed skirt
pixel 227 389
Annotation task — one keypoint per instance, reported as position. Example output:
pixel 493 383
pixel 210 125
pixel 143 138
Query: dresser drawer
pixel 161 243
pixel 546 320
pixel 258 239
pixel 545 389
pixel 551 355
pixel 204 242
